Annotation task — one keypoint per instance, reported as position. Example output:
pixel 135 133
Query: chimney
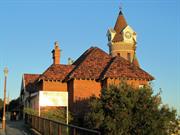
pixel 56 53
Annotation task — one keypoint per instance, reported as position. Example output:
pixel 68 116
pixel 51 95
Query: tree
pixel 123 110
pixel 14 104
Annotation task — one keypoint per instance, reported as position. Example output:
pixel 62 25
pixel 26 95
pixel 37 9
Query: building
pixel 92 71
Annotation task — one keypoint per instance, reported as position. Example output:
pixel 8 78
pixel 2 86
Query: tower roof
pixel 119 26
pixel 120 23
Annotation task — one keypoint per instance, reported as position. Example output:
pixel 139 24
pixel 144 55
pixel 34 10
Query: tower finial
pixel 120 7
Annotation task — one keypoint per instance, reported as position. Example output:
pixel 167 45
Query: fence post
pixel 59 129
pixel 39 119
pixel 74 131
pixel 46 127
pixel 49 127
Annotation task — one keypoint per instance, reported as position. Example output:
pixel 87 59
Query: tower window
pixel 129 56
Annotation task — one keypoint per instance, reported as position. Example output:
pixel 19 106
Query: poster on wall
pixel 51 98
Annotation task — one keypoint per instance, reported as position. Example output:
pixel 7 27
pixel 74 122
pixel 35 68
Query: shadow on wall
pixel 79 109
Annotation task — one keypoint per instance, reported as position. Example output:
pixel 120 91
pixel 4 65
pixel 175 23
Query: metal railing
pixel 49 127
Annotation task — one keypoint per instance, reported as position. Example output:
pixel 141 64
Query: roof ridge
pixel 45 71
pixel 95 55
pixel 88 51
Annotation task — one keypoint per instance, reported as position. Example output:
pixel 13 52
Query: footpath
pixel 15 128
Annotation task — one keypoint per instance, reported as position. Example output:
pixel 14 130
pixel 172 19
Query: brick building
pixel 92 71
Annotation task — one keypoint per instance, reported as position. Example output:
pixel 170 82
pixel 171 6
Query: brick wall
pixel 134 83
pixel 86 88
pixel 54 86
pixel 79 93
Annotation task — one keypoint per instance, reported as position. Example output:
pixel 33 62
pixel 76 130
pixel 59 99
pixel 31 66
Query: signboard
pixel 52 98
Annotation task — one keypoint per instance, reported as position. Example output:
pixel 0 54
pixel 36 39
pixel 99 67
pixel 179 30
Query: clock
pixel 128 35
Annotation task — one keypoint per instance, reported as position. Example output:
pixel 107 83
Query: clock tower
pixel 122 40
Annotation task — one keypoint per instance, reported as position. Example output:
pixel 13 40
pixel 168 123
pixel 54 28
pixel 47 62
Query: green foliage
pixel 174 127
pixel 14 104
pixel 31 111
pixel 52 114
pixel 56 115
pixel 124 110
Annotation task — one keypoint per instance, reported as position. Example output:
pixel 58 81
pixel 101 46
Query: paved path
pixel 15 128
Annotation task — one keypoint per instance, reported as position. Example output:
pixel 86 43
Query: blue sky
pixel 29 28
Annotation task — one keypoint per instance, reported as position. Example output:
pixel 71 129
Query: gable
pixel 29 82
pixel 129 30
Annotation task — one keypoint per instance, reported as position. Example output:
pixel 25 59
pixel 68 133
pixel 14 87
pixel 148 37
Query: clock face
pixel 128 35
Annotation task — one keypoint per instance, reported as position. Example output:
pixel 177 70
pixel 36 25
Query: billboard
pixel 53 98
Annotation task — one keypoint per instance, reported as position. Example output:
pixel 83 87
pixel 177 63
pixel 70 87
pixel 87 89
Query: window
pixel 118 54
pixel 141 86
pixel 129 56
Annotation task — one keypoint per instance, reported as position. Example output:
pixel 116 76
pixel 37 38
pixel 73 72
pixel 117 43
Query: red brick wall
pixel 54 86
pixel 79 93
pixel 134 83
pixel 86 88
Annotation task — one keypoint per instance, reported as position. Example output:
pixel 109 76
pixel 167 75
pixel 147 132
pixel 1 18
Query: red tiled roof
pixel 90 64
pixel 121 68
pixel 29 80
pixel 56 72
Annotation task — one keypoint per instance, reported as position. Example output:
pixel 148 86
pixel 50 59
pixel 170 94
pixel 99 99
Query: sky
pixel 29 28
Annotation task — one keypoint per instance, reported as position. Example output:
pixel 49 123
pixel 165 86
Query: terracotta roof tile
pixel 83 56
pixel 29 80
pixel 56 72
pixel 90 64
pixel 121 68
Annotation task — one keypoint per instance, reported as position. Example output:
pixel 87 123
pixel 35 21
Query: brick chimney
pixel 56 53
